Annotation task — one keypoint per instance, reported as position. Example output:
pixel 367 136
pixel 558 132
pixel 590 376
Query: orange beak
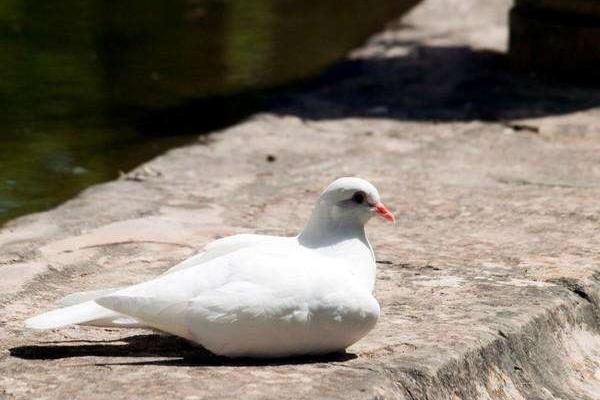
pixel 383 212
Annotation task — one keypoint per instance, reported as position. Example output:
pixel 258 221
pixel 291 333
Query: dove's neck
pixel 341 238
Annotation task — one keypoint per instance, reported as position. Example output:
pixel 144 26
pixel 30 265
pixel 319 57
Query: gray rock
pixel 489 285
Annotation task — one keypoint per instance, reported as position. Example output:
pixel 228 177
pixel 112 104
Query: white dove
pixel 255 295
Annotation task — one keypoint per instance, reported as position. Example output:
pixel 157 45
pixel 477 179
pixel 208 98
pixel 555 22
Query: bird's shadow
pixel 173 351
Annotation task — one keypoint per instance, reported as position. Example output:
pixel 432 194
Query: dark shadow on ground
pixel 179 352
pixel 435 83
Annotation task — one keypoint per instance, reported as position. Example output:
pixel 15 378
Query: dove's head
pixel 342 210
pixel 353 200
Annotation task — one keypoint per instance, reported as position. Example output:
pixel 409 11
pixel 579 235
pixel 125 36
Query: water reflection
pixel 83 82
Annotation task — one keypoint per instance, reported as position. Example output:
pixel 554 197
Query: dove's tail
pixel 81 309
pixel 71 315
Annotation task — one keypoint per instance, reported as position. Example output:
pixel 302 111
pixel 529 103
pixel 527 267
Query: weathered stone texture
pixel 489 285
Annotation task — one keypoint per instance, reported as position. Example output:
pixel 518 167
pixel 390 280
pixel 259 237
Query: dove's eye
pixel 358 197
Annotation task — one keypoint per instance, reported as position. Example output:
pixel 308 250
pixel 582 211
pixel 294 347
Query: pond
pixel 89 88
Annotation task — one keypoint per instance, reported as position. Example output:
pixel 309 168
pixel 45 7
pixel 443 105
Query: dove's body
pixel 251 295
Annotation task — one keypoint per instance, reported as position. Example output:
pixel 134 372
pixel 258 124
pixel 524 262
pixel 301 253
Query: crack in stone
pixel 573 286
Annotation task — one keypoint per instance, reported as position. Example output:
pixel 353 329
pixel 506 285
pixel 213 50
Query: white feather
pixel 70 315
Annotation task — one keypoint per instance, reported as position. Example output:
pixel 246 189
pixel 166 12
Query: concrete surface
pixel 489 285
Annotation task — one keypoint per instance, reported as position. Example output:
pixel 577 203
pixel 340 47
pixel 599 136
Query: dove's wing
pixel 259 301
pixel 150 301
pixel 96 316
pixel 214 249
pixel 226 245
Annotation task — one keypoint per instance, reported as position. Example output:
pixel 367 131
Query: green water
pixel 89 88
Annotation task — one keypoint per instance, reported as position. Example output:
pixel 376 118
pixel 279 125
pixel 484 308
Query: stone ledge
pixel 488 286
